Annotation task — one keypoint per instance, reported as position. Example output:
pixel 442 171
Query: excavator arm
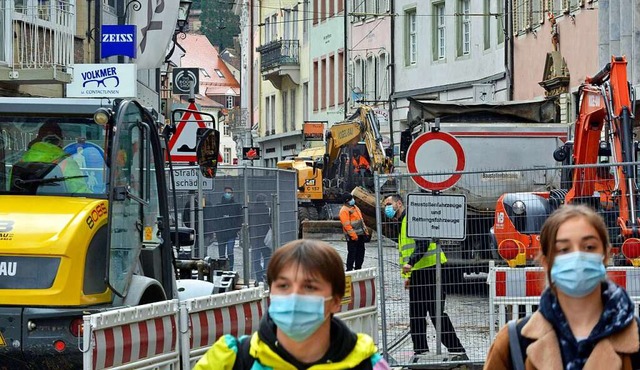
pixel 606 103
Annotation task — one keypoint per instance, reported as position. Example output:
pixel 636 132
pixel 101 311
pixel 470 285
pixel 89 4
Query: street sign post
pixel 440 216
pixel 435 152
pixel 182 145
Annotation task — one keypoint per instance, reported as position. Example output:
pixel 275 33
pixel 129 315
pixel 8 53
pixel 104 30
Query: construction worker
pixel 355 232
pixel 47 148
pixel 359 162
pixel 418 261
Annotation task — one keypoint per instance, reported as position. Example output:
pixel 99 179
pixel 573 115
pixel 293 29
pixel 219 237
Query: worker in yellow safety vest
pixel 418 261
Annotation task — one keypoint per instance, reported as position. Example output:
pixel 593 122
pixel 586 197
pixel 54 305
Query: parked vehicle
pixel 495 138
pixel 84 222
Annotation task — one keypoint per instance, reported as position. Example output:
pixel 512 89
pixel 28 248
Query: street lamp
pixel 183 14
pixel 183 21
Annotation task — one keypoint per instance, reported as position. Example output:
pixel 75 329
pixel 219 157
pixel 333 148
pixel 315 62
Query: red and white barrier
pixel 514 292
pixel 207 318
pixel 361 311
pixel 143 337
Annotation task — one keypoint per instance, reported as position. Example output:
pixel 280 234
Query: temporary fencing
pixel 263 199
pixel 515 292
pixel 360 308
pixel 143 337
pixel 167 335
pixel 492 232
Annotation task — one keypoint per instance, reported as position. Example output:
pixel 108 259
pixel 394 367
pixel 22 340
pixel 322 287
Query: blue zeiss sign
pixel 118 40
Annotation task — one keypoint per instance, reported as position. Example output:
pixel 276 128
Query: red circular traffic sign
pixel 418 160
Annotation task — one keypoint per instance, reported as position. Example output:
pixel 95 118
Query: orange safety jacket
pixel 360 164
pixel 352 222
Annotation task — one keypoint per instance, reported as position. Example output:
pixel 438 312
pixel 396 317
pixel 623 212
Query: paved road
pixel 469 314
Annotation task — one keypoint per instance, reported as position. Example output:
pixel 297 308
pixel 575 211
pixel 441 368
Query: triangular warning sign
pixel 3 343
pixel 182 145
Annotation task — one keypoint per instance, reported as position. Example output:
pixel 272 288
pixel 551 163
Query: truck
pixel 496 138
pixel 603 145
pixel 325 174
pixel 84 222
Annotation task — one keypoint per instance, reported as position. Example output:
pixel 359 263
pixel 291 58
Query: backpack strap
pixel 517 343
pixel 244 360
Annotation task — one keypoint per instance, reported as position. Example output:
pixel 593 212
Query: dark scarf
pixel 617 314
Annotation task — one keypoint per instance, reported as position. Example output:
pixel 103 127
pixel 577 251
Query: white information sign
pixel 103 81
pixel 186 178
pixel 439 216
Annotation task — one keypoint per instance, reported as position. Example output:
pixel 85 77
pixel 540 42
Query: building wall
pixel 326 42
pixel 578 45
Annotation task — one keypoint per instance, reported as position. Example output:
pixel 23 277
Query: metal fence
pixel 505 209
pixel 263 201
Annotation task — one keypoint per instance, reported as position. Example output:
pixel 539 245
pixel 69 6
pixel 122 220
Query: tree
pixel 219 23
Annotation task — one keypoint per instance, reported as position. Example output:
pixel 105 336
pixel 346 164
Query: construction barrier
pixel 143 337
pixel 360 308
pixel 515 292
pixel 206 319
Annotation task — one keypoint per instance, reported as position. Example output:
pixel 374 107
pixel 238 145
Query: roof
pixel 201 54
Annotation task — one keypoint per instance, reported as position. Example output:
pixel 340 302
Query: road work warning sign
pixel 438 216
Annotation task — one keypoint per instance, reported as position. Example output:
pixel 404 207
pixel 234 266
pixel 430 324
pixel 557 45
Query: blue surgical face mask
pixel 352 202
pixel 577 274
pixel 298 316
pixel 389 211
pixel 228 196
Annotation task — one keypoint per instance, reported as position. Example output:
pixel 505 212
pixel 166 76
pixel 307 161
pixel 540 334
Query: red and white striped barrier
pixel 203 320
pixel 361 312
pixel 514 292
pixel 143 337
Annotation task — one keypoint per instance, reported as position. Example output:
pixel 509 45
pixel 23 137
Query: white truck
pixel 508 147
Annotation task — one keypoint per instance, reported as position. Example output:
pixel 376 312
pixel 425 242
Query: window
pixel 305 101
pixel 340 77
pixel 439 32
pixel 370 81
pixel 519 16
pixel 305 24
pixel 382 81
pixel 294 25
pixel 323 79
pixel 230 101
pixel 464 28
pixel 286 23
pixel 316 81
pixel 293 109
pixel 267 115
pixel 486 21
pixel 316 10
pixel 204 72
pixel 273 114
pixel 332 10
pixel 267 30
pixel 285 110
pixel 226 155
pixel 411 38
pixel 323 10
pixel 274 27
pixel 332 81
pixel 225 129
pixel 537 13
pixel 219 73
pixel 500 22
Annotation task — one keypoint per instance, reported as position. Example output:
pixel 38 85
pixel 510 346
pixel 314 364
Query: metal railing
pixel 41 34
pixel 279 53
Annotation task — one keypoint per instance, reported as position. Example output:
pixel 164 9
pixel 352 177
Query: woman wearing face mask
pixel 306 284
pixel 584 321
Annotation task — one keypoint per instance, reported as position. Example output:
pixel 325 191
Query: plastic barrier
pixel 204 320
pixel 143 337
pixel 360 313
pixel 515 292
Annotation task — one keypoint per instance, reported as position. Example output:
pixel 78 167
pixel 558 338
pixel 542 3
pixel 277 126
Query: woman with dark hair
pixel 584 321
pixel 306 284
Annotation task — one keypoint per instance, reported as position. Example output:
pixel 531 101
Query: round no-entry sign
pixel 435 152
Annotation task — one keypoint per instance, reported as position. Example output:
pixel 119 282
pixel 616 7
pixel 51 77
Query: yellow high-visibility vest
pixel 406 246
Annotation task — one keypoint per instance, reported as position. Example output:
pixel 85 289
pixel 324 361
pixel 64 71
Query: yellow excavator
pixel 326 173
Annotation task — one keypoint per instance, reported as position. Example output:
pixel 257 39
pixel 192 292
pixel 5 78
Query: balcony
pixel 280 59
pixel 36 41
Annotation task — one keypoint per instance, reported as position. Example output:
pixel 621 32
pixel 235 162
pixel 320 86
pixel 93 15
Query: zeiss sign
pixel 118 40
pixel 103 81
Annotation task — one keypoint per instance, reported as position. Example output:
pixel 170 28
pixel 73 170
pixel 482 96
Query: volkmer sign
pixel 103 81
